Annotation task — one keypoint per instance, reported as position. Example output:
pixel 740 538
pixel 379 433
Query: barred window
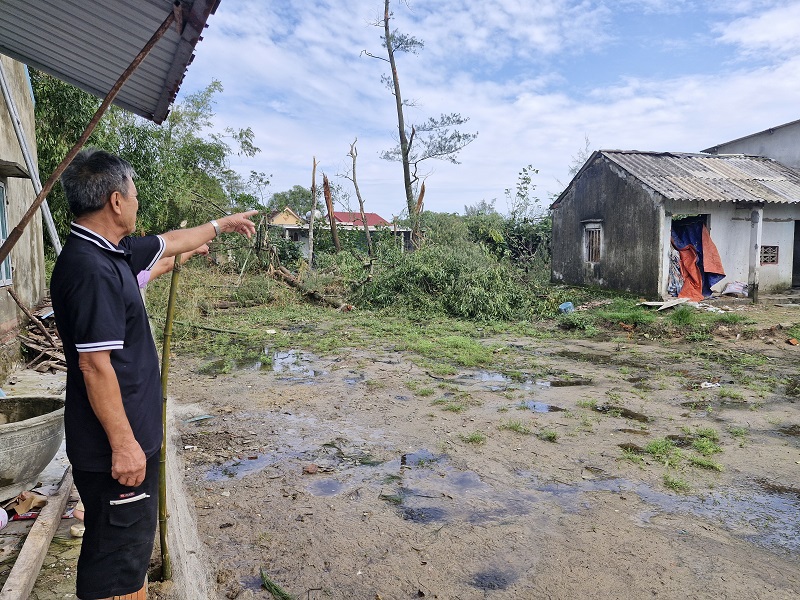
pixel 769 255
pixel 592 242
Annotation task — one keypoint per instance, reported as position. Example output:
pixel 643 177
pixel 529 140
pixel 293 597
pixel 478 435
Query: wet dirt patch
pixel 492 580
pixel 296 366
pixel 400 504
pixel 540 407
pixel 790 430
pixel 620 411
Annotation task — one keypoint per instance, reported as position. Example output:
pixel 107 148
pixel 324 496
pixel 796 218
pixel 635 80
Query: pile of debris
pixel 41 340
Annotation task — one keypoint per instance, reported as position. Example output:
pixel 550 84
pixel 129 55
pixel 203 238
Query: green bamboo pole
pixel 166 563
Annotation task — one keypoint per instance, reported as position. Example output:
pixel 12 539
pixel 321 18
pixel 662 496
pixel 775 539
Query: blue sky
pixel 536 80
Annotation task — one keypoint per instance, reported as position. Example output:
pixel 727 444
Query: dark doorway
pixel 796 256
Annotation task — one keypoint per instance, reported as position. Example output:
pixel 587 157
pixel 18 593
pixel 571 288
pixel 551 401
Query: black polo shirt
pixel 98 307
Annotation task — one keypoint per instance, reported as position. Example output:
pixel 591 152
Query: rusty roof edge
pixel 193 25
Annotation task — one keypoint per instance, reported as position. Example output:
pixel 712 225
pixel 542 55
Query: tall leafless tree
pixel 434 138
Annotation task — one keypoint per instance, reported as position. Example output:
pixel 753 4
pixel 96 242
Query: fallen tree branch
pixel 287 276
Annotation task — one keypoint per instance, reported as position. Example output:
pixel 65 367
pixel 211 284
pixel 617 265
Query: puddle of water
pixel 354 378
pixel 487 376
pixel 426 514
pixel 325 487
pixel 540 407
pixel 298 365
pixel 769 519
pixel 238 468
pixel 419 458
pixel 619 411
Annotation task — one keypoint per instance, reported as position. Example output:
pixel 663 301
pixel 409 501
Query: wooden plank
pixel 26 568
pixel 671 303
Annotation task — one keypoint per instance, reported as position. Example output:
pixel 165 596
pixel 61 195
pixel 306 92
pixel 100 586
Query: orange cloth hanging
pixel 692 279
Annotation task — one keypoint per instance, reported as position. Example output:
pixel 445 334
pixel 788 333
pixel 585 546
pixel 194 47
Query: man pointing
pixel 113 407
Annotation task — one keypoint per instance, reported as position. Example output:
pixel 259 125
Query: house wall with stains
pixel 27 257
pixel 630 219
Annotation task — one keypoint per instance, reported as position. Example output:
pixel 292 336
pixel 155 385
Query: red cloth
pixel 712 263
pixel 692 280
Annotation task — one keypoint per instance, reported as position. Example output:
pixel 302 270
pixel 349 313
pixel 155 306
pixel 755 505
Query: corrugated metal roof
pixel 90 44
pixel 714 178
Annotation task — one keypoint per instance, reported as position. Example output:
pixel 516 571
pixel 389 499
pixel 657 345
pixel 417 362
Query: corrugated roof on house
pixel 712 178
pixel 354 218
pixel 90 44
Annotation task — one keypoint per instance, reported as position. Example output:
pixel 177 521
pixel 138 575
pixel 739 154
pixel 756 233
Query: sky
pixel 538 80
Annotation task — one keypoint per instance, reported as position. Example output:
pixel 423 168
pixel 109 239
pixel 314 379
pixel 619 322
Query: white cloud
pixel 293 72
pixel 775 30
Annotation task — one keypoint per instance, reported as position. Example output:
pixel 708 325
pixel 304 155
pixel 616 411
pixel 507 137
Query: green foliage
pixel 441 280
pixel 624 310
pixel 580 321
pixel 298 199
pixel 255 291
pixel 683 316
pixel 182 167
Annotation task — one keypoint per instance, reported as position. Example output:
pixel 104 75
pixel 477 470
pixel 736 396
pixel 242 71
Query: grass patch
pixel 633 457
pixel 676 483
pixel 516 426
pixel 665 451
pixel 476 437
pixel 424 392
pixel 704 463
pixel 708 433
pixel 548 435
pixel 740 433
pixel 590 404
pixel 731 394
pixel 705 446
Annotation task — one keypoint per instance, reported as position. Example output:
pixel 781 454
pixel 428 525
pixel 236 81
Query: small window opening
pixel 769 255
pixel 592 235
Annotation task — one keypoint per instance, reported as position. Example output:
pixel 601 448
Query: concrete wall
pixel 779 144
pixel 632 244
pixel 27 257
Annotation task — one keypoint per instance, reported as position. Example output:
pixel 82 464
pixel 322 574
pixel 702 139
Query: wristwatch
pixel 217 230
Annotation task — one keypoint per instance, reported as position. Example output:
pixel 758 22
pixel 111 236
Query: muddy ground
pixel 366 476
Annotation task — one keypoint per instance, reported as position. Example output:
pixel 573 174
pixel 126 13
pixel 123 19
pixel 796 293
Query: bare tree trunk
pixel 353 154
pixel 311 215
pixel 416 232
pixel 401 125
pixel 326 189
